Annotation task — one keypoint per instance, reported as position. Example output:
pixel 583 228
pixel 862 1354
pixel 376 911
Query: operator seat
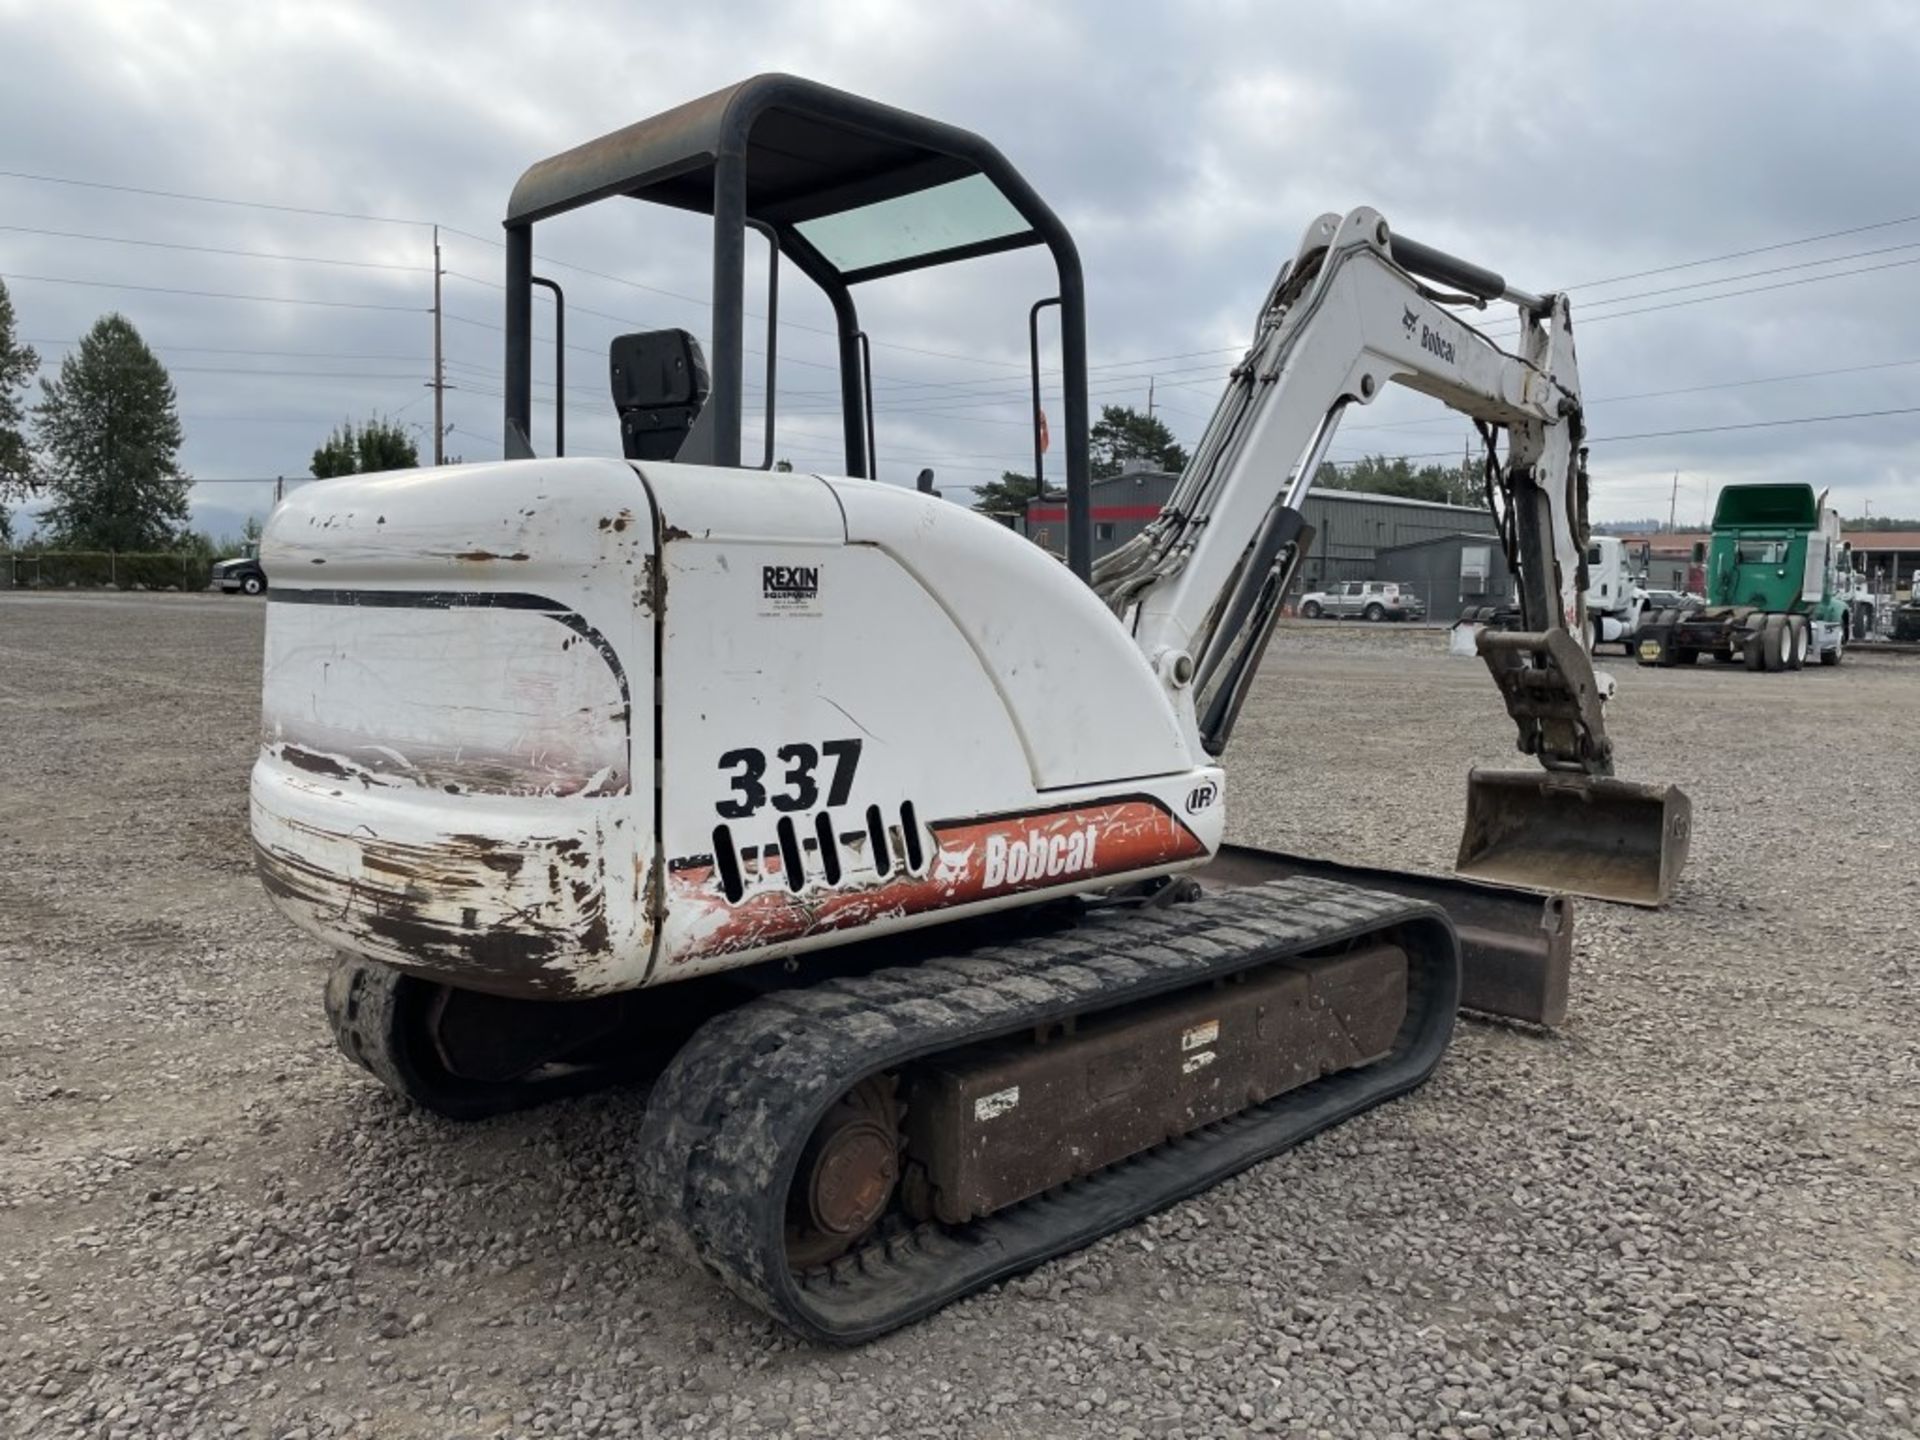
pixel 660 391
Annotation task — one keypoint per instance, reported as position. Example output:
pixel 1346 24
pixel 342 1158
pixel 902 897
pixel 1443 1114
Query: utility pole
pixel 1150 397
pixel 1673 504
pixel 439 382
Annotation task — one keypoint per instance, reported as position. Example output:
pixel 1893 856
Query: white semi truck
pixel 1614 597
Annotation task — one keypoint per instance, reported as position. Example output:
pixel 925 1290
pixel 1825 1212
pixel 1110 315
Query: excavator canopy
pixel 846 189
pixel 872 190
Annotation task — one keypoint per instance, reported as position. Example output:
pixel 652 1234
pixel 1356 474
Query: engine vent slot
pixel 910 834
pixel 829 847
pixel 726 863
pixel 877 838
pixel 790 861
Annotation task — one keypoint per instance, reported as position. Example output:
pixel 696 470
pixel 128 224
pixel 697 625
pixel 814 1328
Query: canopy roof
pixel 871 189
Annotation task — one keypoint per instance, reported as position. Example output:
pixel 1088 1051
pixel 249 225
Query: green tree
pixel 1009 494
pixel 17 366
pixel 1396 475
pixel 109 439
pixel 377 445
pixel 1123 433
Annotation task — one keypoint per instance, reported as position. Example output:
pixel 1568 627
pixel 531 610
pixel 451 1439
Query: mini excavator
pixel 887 848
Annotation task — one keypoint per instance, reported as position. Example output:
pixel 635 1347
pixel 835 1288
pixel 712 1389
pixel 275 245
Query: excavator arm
pixel 1355 309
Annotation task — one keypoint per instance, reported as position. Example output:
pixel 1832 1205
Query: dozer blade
pixel 1580 834
pixel 1516 946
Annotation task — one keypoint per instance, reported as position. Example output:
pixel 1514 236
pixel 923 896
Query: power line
pixel 214 294
pixel 1742 254
pixel 1764 380
pixel 212 199
pixel 1752 275
pixel 214 249
pixel 1752 290
pixel 357 375
pixel 897 386
pixel 270 354
pixel 354 375
pixel 1758 424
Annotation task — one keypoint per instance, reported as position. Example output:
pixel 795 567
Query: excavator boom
pixel 1350 313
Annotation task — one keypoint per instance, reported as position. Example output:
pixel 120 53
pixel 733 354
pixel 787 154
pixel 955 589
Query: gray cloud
pixel 1186 147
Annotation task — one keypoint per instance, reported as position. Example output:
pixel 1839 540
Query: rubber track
pixel 727 1121
pixel 378 1019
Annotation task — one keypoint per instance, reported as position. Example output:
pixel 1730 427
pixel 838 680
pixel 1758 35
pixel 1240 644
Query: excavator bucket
pixel 1578 834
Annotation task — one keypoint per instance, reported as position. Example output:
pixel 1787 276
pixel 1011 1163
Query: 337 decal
pixel 796 766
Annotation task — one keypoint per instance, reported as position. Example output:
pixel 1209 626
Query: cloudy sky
pixel 1187 147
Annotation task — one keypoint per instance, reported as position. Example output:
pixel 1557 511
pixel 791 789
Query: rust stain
pixel 670 533
pixel 651 592
pixel 489 555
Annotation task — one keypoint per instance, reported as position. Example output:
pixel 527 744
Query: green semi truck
pixel 1779 584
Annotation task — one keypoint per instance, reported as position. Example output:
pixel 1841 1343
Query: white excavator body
pixel 568 727
pixel 558 754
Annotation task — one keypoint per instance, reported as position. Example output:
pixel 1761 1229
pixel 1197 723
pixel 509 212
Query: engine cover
pixel 561 728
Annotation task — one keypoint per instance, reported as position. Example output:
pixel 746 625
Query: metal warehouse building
pixel 1122 506
pixel 1450 572
pixel 1351 527
pixel 1356 534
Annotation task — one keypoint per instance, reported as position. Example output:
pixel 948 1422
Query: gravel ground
pixel 1690 1212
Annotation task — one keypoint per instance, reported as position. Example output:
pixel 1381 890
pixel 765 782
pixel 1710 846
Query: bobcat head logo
pixel 1408 319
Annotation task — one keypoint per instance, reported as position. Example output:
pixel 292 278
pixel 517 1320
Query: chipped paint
pixel 1118 837
pixel 447 779
pixel 451 768
pixel 378 694
pixel 992 1107
pixel 1198 1035
pixel 486 910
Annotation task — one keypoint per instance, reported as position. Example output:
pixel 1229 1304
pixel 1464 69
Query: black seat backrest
pixel 659 386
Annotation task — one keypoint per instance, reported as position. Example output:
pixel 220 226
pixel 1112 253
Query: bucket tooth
pixel 1581 834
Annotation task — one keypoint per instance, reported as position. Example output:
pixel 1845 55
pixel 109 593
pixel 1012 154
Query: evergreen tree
pixel 1381 475
pixel 375 446
pixel 109 438
pixel 1009 494
pixel 1123 433
pixel 17 366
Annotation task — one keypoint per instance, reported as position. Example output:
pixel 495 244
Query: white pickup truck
pixel 1363 600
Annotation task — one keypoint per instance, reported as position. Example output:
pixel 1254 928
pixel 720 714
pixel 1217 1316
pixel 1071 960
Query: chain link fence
pixel 104 570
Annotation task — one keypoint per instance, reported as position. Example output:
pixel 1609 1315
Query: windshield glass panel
pixel 942 217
